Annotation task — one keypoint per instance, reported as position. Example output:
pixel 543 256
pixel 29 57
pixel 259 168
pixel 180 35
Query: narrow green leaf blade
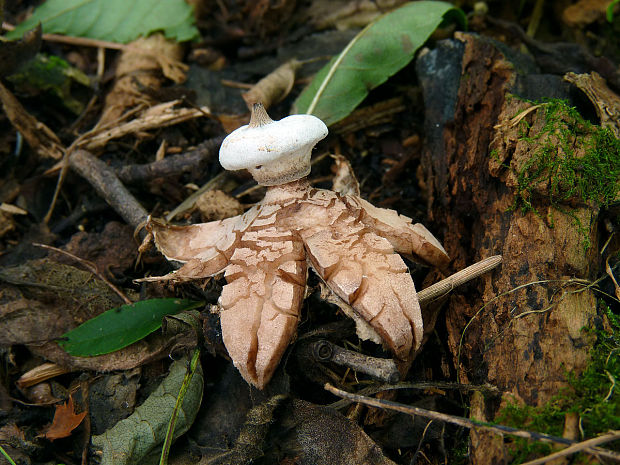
pixel 113 20
pixel 380 50
pixel 122 326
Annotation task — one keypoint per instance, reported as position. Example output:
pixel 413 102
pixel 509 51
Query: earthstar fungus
pixel 264 253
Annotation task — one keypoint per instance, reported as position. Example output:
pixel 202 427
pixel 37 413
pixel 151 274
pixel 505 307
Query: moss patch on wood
pixel 551 157
pixel 593 396
pixel 574 160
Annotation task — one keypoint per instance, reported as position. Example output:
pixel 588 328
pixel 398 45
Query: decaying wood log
pixel 520 328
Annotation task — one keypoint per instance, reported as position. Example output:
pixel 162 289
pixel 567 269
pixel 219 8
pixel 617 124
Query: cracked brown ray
pixel 351 245
pixel 261 302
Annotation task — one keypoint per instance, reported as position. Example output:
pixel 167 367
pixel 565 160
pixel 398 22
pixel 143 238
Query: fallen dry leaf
pixel 584 12
pixel 156 117
pixel 273 87
pixel 41 138
pixel 344 181
pixel 65 421
pixel 606 102
pixel 140 67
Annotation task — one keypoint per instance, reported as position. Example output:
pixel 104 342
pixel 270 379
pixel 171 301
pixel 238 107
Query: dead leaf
pixel 159 116
pixel 12 209
pixel 41 138
pixel 65 421
pixel 111 250
pixel 217 205
pixel 344 181
pixel 274 87
pixel 606 102
pixel 232 122
pixel 325 436
pixel 140 67
pixel 7 223
pixel 584 12
pixel 342 15
pixel 41 300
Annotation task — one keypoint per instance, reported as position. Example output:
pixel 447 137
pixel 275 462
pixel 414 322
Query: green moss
pixel 594 396
pixel 53 75
pixel 591 177
pixel 588 173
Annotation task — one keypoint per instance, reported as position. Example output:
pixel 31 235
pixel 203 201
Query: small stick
pixel 39 374
pixel 91 267
pixel 464 422
pixel 379 368
pixel 172 165
pixel 443 287
pixel 108 186
pixel 370 390
pixel 70 40
pixel 578 447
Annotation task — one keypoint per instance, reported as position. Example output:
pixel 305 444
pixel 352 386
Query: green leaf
pixel 136 439
pixel 113 20
pixel 610 10
pixel 380 50
pixel 120 327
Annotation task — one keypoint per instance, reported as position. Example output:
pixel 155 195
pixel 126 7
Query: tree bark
pixel 520 327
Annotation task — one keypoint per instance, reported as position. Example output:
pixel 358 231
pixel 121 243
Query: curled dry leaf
pixel 606 102
pixel 351 244
pixel 584 12
pixel 274 87
pixel 344 181
pixel 141 66
pixel 41 138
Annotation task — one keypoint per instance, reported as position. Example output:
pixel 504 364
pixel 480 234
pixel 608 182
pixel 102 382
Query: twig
pixel 41 138
pixel 40 373
pixel 421 442
pixel 172 165
pixel 379 368
pixel 464 422
pixel 370 390
pixel 578 447
pixel 105 182
pixel 91 267
pixel 532 27
pixel 86 423
pixel 156 117
pixel 438 290
pixel 610 273
pixel 7 456
pixel 74 40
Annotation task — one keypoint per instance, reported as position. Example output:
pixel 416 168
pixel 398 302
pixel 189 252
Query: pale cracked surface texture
pixel 264 253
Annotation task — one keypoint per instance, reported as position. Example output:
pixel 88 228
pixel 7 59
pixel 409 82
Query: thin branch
pixel 370 390
pixel 578 447
pixel 379 368
pixel 91 267
pixel 438 290
pixel 464 422
pixel 171 165
pixel 108 186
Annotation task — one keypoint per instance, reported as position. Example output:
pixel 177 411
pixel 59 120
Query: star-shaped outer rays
pixel 351 245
